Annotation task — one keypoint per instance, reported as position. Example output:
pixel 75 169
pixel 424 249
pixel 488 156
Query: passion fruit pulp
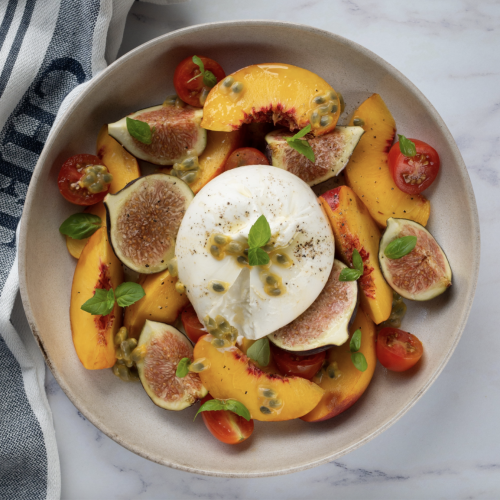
pixel 422 274
pixel 163 347
pixel 143 220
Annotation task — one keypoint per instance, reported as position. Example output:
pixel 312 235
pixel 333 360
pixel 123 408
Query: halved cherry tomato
pixel 301 366
pixel 192 325
pixel 225 425
pixel 245 156
pixel 398 350
pixel 413 175
pixel 188 87
pixel 69 175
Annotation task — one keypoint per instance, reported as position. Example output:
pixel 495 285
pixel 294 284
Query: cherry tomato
pixel 225 425
pixel 190 90
pixel 398 350
pixel 69 175
pixel 192 325
pixel 301 366
pixel 413 175
pixel 245 156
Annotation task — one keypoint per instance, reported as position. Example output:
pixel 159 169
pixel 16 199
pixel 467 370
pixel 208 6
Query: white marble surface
pixel 448 445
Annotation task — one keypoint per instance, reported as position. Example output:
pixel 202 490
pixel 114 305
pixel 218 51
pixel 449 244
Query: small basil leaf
pixel 260 351
pixel 80 226
pixel 199 63
pixel 357 261
pixel 260 233
pixel 128 293
pixel 183 368
pixel 349 274
pixel 400 247
pixel 407 147
pixel 229 404
pixel 209 79
pixel 101 303
pixel 139 130
pixel 355 343
pixel 302 133
pixel 303 147
pixel 257 257
pixel 359 361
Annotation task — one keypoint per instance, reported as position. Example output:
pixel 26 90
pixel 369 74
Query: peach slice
pixel 342 381
pixel 367 172
pixel 162 303
pixel 121 164
pixel 93 336
pixel 353 228
pixel 272 398
pixel 75 247
pixel 280 93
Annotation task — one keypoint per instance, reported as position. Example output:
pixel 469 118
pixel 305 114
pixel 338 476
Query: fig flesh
pixel 162 347
pixel 175 131
pixel 326 322
pixel 143 220
pixel 331 151
pixel 422 274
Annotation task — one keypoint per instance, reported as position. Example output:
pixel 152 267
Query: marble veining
pixel 448 445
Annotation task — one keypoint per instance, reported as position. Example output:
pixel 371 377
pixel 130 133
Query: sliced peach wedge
pixel 93 336
pixel 268 397
pixel 279 93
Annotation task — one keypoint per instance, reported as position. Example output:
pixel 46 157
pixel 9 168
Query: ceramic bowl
pixel 123 411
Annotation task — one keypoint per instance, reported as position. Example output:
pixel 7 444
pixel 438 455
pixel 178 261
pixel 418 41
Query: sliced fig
pixel 143 220
pixel 325 323
pixel 331 151
pixel 422 274
pixel 175 131
pixel 161 347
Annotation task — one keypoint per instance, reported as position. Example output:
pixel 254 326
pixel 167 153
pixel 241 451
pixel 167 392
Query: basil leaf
pixel 357 261
pixel 303 147
pixel 257 257
pixel 260 351
pixel 183 368
pixel 359 361
pixel 139 130
pixel 229 404
pixel 407 147
pixel 260 233
pixel 209 79
pixel 101 304
pixel 301 133
pixel 355 343
pixel 349 274
pixel 80 226
pixel 199 63
pixel 128 293
pixel 400 247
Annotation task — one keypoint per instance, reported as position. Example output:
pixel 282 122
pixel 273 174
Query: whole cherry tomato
pixel 82 184
pixel 301 366
pixel 192 325
pixel 245 156
pixel 398 350
pixel 225 425
pixel 188 80
pixel 413 175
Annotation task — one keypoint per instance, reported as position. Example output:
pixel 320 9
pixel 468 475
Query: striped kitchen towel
pixel 48 50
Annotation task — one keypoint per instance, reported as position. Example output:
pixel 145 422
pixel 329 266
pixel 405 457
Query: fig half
pixel 422 274
pixel 143 220
pixel 175 131
pixel 326 322
pixel 331 151
pixel 162 347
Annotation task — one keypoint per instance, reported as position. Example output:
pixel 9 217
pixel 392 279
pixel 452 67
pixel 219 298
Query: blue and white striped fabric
pixel 48 49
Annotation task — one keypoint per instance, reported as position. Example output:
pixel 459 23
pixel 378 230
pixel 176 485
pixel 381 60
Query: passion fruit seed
pixel 319 99
pixel 267 393
pixel 220 239
pixel 199 365
pixel 203 95
pixel 219 343
pixel 170 100
pixel 234 248
pixel 271 280
pixel 218 287
pixel 188 177
pixel 315 117
pixel 275 403
pixel 124 373
pixel 222 324
pixel 333 108
pixel 96 179
pixel 237 87
pixel 180 287
pixel 242 260
pixel 358 122
pixel 325 120
pixel 282 259
pixel 265 410
pixel 274 292
pixel 215 250
pixel 138 353
pixel 179 103
pixel 323 110
pixel 227 82
pixel 172 267
pixel 209 322
pixel 121 335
